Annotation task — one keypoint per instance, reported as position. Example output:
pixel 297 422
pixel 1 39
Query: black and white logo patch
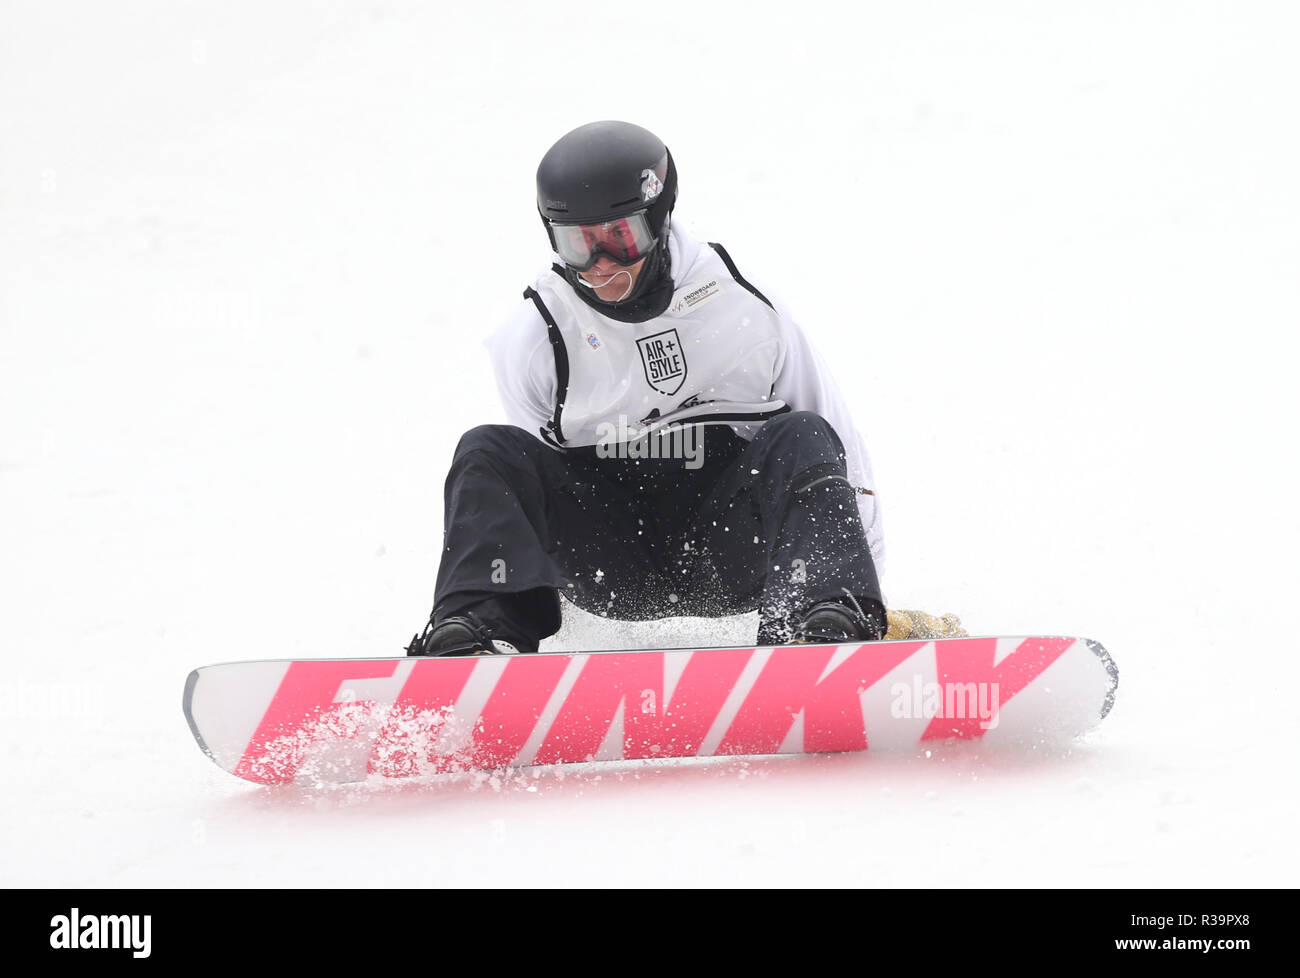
pixel 664 361
pixel 651 185
pixel 696 294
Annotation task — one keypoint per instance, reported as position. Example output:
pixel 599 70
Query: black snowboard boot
pixel 838 620
pixel 461 634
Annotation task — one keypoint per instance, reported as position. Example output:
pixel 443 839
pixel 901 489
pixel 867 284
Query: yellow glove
pixel 919 625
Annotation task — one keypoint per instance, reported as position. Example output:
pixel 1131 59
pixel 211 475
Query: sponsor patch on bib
pixel 690 296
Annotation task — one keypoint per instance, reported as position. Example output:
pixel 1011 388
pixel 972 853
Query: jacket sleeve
pixel 524 365
pixel 804 382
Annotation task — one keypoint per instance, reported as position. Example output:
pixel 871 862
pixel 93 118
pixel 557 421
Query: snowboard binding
pixel 837 620
pixel 461 634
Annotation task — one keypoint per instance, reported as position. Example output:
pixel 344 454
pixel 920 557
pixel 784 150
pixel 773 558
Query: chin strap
pixel 647 297
pixel 626 292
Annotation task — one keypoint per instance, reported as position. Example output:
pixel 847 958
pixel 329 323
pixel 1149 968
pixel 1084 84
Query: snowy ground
pixel 248 251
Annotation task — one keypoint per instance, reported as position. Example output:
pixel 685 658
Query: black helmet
pixel 607 170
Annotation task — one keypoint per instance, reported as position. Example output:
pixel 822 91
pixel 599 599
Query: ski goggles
pixel 626 240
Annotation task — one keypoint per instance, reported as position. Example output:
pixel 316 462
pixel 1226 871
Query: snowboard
pixel 343 720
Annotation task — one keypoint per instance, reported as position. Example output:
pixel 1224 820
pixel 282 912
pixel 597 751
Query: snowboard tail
pixel 340 720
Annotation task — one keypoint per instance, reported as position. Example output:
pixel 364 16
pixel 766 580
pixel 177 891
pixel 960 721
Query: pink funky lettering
pixel 965 669
pixel 410 732
pixel 651 726
pixel 513 709
pixel 303 711
pixel 832 707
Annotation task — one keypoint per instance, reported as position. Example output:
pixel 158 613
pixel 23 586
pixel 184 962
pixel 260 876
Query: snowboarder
pixel 675 445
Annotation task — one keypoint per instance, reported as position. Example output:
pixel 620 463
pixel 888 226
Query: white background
pixel 248 253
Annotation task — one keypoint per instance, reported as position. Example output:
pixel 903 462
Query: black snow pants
pixel 770 524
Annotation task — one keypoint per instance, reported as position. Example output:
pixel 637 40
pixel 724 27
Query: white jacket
pixel 723 353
